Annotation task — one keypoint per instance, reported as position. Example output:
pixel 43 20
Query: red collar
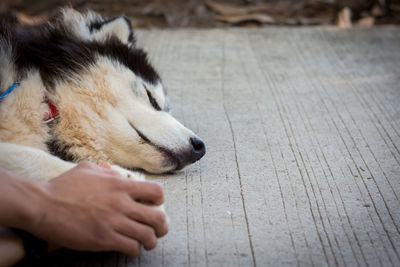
pixel 51 113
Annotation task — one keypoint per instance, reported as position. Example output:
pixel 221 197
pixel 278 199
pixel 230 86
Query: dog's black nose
pixel 192 153
pixel 198 149
pixel 197 144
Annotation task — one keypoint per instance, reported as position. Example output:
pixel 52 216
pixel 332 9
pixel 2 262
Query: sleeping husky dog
pixel 78 88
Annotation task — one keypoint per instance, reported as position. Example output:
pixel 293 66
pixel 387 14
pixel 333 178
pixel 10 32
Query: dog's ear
pixel 119 27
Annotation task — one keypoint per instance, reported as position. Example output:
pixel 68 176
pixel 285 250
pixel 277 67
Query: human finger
pixel 145 191
pixel 149 216
pixel 137 231
pixel 126 245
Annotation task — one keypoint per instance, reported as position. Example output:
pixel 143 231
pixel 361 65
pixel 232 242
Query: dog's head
pixel 112 103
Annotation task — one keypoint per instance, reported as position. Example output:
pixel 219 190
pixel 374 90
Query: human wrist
pixel 33 206
pixel 23 196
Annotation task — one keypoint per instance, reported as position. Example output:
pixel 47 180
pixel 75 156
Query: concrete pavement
pixel 302 127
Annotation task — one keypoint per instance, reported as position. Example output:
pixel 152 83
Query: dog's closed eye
pixel 145 139
pixel 152 100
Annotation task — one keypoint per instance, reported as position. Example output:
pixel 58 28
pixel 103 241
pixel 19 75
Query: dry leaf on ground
pixel 344 18
pixel 228 9
pixel 366 22
pixel 235 19
pixel 30 19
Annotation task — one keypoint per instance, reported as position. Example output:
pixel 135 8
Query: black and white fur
pixel 112 104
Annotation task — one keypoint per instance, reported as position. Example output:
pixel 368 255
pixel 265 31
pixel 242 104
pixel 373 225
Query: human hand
pixel 95 209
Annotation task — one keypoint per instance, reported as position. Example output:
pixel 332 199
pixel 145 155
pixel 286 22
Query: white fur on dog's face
pixel 107 116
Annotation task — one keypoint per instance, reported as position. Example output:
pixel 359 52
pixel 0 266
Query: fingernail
pixel 106 165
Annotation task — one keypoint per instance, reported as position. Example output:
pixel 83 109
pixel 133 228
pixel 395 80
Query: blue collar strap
pixel 9 90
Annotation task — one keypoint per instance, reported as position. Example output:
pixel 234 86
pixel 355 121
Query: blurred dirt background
pixel 224 13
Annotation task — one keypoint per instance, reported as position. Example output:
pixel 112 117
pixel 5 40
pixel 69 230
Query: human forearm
pixel 18 205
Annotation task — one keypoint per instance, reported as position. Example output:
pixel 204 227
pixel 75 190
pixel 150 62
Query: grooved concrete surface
pixel 302 127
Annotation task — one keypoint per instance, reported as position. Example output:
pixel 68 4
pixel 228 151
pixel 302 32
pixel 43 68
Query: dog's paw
pixel 128 174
